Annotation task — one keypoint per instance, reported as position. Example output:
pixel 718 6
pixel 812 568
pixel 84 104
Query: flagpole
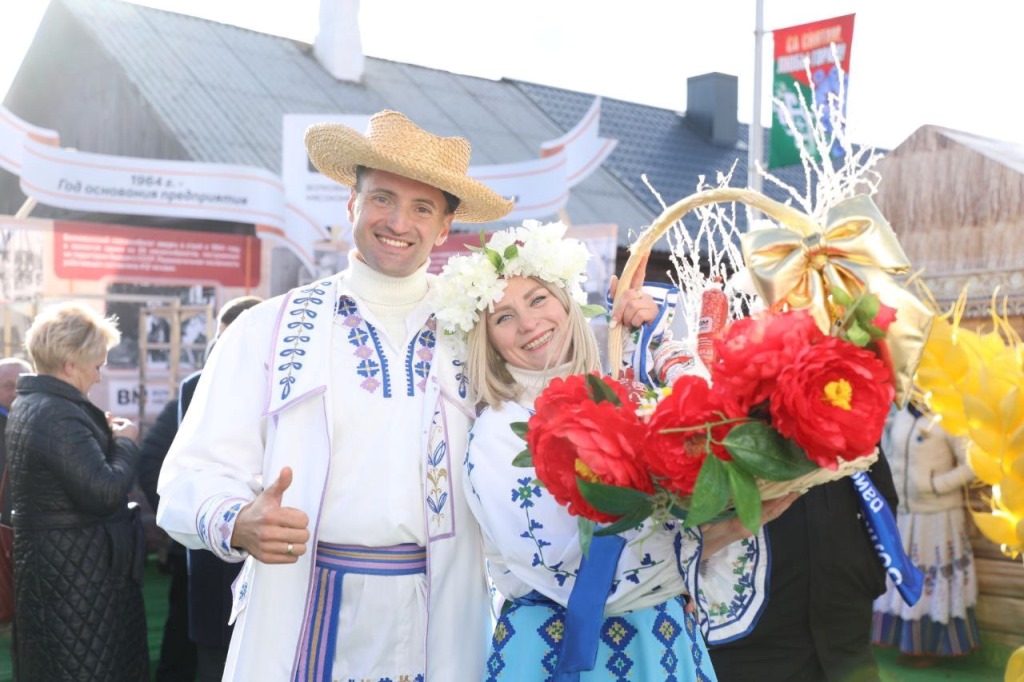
pixel 755 139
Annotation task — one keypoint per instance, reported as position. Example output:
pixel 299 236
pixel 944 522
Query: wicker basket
pixel 642 247
pixel 774 489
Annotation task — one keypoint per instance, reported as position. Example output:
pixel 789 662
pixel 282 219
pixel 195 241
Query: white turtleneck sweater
pixel 533 381
pixel 391 299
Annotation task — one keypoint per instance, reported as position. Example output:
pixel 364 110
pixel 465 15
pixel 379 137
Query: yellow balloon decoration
pixel 974 382
pixel 1015 668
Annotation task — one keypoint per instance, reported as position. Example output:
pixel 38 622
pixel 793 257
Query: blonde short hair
pixel 490 380
pixel 69 332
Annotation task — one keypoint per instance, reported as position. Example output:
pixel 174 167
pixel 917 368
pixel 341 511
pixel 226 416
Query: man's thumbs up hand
pixel 272 533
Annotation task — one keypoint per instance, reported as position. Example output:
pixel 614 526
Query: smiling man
pixel 324 442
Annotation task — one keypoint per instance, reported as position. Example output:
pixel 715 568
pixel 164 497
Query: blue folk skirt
pixel 657 644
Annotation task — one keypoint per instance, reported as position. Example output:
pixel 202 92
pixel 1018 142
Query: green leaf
pixel 745 497
pixel 586 530
pixel 760 450
pixel 710 492
pixel 841 297
pixel 483 238
pixel 511 251
pixel 613 499
pixel 868 306
pixel 592 310
pixel 600 391
pixel 875 332
pixel 495 259
pixel 627 522
pixel 857 335
pixel 519 428
pixel 523 459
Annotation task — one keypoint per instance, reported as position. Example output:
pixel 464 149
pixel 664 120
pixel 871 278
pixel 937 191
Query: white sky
pixel 912 62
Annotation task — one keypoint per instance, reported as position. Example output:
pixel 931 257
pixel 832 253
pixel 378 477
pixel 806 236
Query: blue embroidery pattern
pixel 461 377
pixel 437 472
pixel 697 656
pixel 224 528
pixel 418 357
pixel 667 630
pixel 551 632
pixel 524 494
pixel 362 334
pixel 617 633
pixel 312 296
pixel 743 569
pixel 503 632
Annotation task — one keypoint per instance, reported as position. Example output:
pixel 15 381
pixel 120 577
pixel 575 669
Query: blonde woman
pixel 518 305
pixel 78 549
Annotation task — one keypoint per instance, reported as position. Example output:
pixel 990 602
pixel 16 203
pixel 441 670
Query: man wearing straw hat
pixel 325 439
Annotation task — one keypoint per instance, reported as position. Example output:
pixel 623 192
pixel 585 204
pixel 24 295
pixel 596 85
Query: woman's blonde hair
pixel 69 332
pixel 490 380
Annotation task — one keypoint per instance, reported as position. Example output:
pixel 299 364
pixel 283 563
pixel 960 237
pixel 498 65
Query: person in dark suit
pixel 196 633
pixel 824 577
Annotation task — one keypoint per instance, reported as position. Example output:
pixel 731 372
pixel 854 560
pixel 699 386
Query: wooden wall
pixel 1000 607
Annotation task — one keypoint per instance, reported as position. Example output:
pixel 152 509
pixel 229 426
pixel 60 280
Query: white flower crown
pixel 470 283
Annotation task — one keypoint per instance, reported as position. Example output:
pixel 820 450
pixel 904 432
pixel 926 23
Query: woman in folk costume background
pixel 518 306
pixel 930 472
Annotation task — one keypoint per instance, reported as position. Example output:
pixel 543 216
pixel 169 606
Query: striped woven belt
pixel 332 563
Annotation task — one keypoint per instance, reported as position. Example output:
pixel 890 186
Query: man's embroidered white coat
pixel 264 403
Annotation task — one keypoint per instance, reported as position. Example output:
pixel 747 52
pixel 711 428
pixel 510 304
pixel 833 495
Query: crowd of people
pixel 339 482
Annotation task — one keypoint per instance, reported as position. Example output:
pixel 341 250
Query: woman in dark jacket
pixel 78 548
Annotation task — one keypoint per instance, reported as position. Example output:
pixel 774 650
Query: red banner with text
pixel 797 50
pixel 94 251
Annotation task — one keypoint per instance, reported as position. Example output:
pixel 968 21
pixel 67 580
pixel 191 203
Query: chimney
pixel 711 107
pixel 337 46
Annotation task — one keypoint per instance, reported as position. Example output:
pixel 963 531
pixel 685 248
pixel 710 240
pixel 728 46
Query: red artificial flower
pixel 753 350
pixel 833 401
pixel 570 435
pixel 675 458
pixel 885 317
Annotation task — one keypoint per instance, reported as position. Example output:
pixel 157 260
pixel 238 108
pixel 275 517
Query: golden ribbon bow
pixel 857 250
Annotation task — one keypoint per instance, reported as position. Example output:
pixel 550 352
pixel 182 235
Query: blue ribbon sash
pixel 885 537
pixel 584 614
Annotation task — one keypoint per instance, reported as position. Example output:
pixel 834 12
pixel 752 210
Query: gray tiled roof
pixel 221 92
pixel 657 143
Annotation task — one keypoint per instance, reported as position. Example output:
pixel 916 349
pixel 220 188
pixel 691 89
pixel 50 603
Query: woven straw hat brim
pixel 336 150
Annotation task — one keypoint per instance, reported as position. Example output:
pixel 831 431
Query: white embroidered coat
pixel 263 403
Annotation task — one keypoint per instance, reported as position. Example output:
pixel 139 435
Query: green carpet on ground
pixel 975 668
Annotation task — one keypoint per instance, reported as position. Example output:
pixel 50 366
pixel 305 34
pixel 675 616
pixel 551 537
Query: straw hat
pixel 395 144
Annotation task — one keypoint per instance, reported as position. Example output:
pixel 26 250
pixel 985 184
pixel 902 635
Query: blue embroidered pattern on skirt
pixel 301 313
pixel 660 642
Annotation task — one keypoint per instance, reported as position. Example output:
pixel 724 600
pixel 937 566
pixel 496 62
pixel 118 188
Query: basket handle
pixel 673 214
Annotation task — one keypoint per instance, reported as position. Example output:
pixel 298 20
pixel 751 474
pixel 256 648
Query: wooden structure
pixel 956 201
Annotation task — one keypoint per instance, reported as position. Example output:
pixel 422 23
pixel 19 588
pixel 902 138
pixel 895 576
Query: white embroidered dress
pixel 312 373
